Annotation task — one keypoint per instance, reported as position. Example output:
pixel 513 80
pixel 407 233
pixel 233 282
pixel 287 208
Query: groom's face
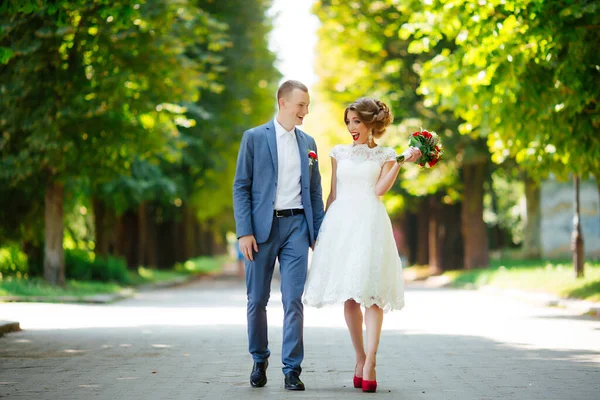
pixel 294 106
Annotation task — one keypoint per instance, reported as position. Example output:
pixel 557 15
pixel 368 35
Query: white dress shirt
pixel 288 194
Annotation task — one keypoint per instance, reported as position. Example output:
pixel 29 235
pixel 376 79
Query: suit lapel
pixel 303 150
pixel 272 143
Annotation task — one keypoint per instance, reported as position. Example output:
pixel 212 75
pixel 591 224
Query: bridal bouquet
pixel 430 145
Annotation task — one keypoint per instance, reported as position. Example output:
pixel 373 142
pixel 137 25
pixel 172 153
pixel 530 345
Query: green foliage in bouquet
pixel 430 145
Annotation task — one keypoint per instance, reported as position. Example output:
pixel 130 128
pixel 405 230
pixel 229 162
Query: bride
pixel 355 259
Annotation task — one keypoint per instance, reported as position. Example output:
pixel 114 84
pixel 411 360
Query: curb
pixel 166 284
pixel 104 298
pixel 93 299
pixel 542 299
pixel 100 298
pixel 9 326
pixel 548 300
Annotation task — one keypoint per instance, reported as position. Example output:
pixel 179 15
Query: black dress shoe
pixel 258 377
pixel 293 382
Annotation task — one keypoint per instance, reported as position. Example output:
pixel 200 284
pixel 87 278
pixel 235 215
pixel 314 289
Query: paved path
pixel 190 343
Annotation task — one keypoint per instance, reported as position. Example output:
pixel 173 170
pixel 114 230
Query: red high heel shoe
pixel 369 386
pixel 358 382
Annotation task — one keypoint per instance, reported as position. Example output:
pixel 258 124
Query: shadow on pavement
pixel 211 362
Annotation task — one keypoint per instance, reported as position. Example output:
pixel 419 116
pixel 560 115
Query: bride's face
pixel 358 130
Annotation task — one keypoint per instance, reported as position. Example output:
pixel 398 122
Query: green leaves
pixel 6 54
pixel 380 61
pixel 522 73
pixel 90 93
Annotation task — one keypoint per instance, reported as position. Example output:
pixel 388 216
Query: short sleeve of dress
pixel 335 152
pixel 390 154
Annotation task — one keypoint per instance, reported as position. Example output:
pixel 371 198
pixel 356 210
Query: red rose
pixel 416 134
pixel 427 134
pixel 433 162
pixel 313 155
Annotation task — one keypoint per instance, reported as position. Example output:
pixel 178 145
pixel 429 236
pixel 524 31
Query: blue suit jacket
pixel 255 183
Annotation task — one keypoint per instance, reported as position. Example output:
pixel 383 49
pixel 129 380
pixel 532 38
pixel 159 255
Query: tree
pixel 249 82
pixel 362 55
pixel 90 84
pixel 523 74
pixel 190 218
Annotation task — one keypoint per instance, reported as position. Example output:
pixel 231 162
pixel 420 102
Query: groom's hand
pixel 247 245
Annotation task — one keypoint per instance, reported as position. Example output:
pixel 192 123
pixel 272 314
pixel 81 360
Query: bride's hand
pixel 412 154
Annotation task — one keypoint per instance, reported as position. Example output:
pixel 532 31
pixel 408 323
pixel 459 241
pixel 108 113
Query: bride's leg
pixel 374 321
pixel 354 320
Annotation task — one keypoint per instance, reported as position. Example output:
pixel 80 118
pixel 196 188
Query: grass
pixel 555 277
pixel 38 287
pixel 202 265
pixel 22 286
pixel 148 275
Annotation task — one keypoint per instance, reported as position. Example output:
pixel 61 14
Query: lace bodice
pixel 358 168
pixel 362 152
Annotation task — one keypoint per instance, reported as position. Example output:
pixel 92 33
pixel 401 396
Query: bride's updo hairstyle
pixel 373 113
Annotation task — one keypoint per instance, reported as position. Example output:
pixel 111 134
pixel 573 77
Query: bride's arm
pixel 331 197
pixel 389 173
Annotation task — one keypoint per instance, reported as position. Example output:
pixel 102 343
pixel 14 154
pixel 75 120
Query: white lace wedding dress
pixel 355 255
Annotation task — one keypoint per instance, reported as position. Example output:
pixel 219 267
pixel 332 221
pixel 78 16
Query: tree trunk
pixel 99 207
pixel 435 236
pixel 198 238
pixel 445 238
pixel 120 236
pixel 35 257
pixel 207 239
pixel 107 230
pixel 165 244
pixel 533 220
pixel 126 238
pixel 54 255
pixel 422 233
pixel 400 227
pixel 450 237
pixel 474 230
pixel 189 232
pixel 178 242
pixel 142 229
pixel 410 232
pixel 577 236
pixel 152 247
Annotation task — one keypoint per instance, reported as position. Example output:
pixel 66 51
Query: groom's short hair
pixel 288 87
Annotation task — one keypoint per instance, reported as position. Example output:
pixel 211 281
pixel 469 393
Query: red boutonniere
pixel 312 157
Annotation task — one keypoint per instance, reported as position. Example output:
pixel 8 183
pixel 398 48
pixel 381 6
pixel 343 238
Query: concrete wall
pixel 557 218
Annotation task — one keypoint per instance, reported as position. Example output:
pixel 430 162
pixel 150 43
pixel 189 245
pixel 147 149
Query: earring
pixel 371 137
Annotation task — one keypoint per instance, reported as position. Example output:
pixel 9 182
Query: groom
pixel 278 211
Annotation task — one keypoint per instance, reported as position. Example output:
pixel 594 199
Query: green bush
pixel 13 262
pixel 78 264
pixel 83 266
pixel 110 269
